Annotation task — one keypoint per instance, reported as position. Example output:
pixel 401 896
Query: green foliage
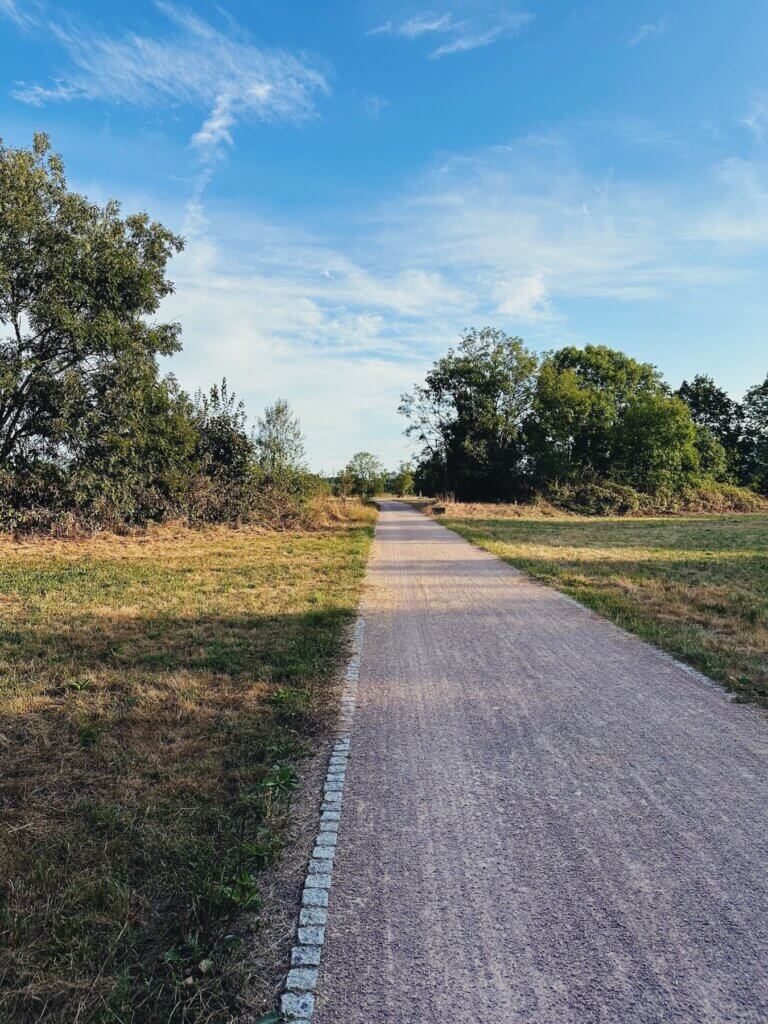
pixel 223 449
pixel 755 437
pixel 90 434
pixel 714 411
pixel 591 499
pixel 363 476
pixel 402 480
pixel 78 285
pixel 592 428
pixel 599 415
pixel 715 461
pixel 468 416
pixel 280 441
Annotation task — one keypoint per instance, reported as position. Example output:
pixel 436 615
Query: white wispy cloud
pixel 756 120
pixel 374 104
pixel 193 64
pixel 516 236
pixel 524 229
pixel 472 36
pixel 524 298
pixel 461 34
pixel 647 31
pixel 418 25
pixel 23 13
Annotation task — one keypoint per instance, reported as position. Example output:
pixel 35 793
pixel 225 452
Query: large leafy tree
pixel 468 415
pixel 79 285
pixel 713 410
pixel 598 414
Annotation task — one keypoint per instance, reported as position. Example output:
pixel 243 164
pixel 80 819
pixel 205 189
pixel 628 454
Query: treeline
pixel 365 476
pixel 90 432
pixel 588 429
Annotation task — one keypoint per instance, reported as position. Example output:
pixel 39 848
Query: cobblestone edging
pixel 298 1001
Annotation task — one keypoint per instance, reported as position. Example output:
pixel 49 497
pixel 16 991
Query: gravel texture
pixel 545 820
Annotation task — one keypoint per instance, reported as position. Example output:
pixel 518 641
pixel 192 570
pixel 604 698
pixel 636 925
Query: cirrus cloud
pixel 459 34
pixel 193 64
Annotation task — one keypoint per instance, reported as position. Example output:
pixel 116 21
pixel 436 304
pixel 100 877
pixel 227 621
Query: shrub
pixel 711 497
pixel 595 499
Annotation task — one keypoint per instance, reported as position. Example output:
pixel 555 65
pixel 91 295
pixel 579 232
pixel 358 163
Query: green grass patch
pixel 695 586
pixel 156 694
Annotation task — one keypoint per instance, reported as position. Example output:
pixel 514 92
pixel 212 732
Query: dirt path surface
pixel 545 821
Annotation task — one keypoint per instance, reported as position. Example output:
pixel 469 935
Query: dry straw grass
pixel 157 691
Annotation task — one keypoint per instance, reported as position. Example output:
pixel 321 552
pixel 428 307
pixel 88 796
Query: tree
pixel 132 454
pixel 224 449
pixel 363 475
pixel 78 286
pixel 580 397
pixel 654 444
pixel 711 407
pixel 402 480
pixel 280 441
pixel 468 416
pixel 597 414
pixel 713 410
pixel 755 439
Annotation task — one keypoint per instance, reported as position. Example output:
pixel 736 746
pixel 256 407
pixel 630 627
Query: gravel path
pixel 545 820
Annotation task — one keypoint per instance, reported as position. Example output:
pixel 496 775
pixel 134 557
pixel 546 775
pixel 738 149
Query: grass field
pixel 696 587
pixel 156 693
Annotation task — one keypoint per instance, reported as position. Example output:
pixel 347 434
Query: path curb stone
pixel 298 1001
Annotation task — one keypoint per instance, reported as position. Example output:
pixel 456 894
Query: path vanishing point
pixel 545 821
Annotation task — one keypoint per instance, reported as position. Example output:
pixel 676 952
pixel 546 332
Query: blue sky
pixel 359 181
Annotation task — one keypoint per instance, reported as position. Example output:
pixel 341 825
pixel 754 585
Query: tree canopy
pixel 755 436
pixel 78 286
pixel 493 422
pixel 599 414
pixel 363 476
pixel 280 440
pixel 89 428
pixel 468 416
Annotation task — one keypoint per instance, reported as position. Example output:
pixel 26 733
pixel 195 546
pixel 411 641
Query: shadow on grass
pixel 146 766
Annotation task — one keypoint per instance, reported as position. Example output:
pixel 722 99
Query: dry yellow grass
pixel 156 691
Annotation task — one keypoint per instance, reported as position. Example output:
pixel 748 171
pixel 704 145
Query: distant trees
pixel 715 415
pixel 363 476
pixel 90 429
pixel 712 408
pixel 280 441
pixel 401 481
pixel 598 414
pixel 495 423
pixel 754 441
pixel 740 427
